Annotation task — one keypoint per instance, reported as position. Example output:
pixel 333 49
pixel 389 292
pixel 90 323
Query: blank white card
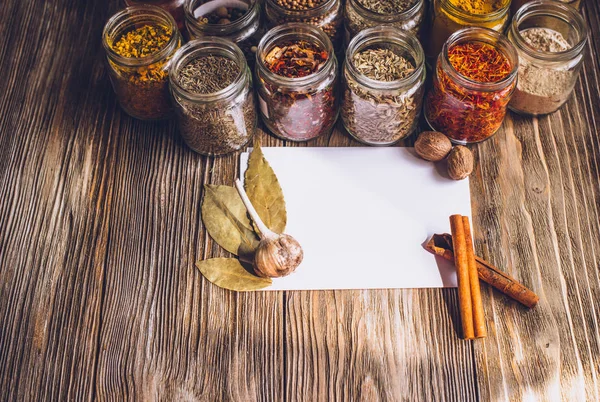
pixel 362 216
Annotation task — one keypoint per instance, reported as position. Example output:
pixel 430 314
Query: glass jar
pixel 141 84
pixel 297 109
pixel 174 7
pixel 546 79
pixel 448 18
pixel 357 17
pixel 382 112
pixel 220 122
pixel 469 111
pixel 328 16
pixel 515 5
pixel 245 32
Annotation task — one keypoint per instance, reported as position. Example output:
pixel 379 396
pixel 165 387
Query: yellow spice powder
pixel 479 7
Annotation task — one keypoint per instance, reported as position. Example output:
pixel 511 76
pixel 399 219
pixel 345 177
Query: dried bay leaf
pixel 264 191
pixel 229 273
pixel 226 221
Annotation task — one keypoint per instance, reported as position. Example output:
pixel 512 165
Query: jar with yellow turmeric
pixel 450 16
pixel 139 43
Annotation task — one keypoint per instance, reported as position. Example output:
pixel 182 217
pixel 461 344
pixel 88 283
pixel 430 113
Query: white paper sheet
pixel 362 216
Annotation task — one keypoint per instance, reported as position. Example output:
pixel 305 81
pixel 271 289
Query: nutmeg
pixel 432 146
pixel 460 162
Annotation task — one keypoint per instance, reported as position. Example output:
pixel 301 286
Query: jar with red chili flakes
pixel 296 71
pixel 475 77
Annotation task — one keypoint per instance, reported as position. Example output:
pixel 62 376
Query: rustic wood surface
pixel 100 228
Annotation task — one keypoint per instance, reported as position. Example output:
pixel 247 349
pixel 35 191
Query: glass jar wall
pixel 362 14
pixel 297 103
pixel 468 100
pixel 174 7
pixel 214 117
pixel 240 23
pixel 138 69
pixel 550 39
pixel 382 107
pixel 325 14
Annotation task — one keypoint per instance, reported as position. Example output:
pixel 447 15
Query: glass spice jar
pixel 245 30
pixel 550 63
pixel 359 16
pixel 303 106
pixel 140 77
pixel 174 7
pixel 325 14
pixel 515 5
pixel 474 79
pixel 385 109
pixel 215 117
pixel 450 16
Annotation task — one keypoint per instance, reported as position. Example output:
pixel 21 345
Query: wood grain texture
pixel 100 227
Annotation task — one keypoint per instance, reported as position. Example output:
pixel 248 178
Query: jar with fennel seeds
pixel 474 79
pixel 211 86
pixel 383 83
pixel 550 39
pixel 296 71
pixel 325 14
pixel 407 15
pixel 236 20
pixel 450 16
pixel 139 42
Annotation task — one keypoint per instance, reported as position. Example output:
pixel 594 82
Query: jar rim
pixel 471 17
pixel 187 52
pixel 388 34
pixel 490 37
pixel 409 12
pixel 116 22
pixel 275 34
pixel 311 12
pixel 556 10
pixel 253 12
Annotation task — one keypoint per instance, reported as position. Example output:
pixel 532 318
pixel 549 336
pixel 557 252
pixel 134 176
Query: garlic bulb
pixel 277 254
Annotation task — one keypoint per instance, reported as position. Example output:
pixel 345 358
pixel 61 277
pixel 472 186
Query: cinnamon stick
pixel 462 270
pixel 441 245
pixel 478 312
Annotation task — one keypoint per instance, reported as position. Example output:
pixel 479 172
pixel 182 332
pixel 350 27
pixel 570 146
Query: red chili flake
pixel 295 59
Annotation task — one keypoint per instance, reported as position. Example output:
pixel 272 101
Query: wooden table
pixel 100 228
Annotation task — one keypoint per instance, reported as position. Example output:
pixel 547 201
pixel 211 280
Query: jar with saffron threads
pixel 139 42
pixel 474 79
pixel 325 14
pixel 550 39
pixel 296 71
pixel 407 15
pixel 211 86
pixel 383 84
pixel 236 20
pixel 450 16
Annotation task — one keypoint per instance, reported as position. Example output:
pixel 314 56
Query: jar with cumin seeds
pixel 325 14
pixel 407 15
pixel 383 83
pixel 236 20
pixel 296 71
pixel 474 79
pixel 450 16
pixel 550 39
pixel 211 86
pixel 139 42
